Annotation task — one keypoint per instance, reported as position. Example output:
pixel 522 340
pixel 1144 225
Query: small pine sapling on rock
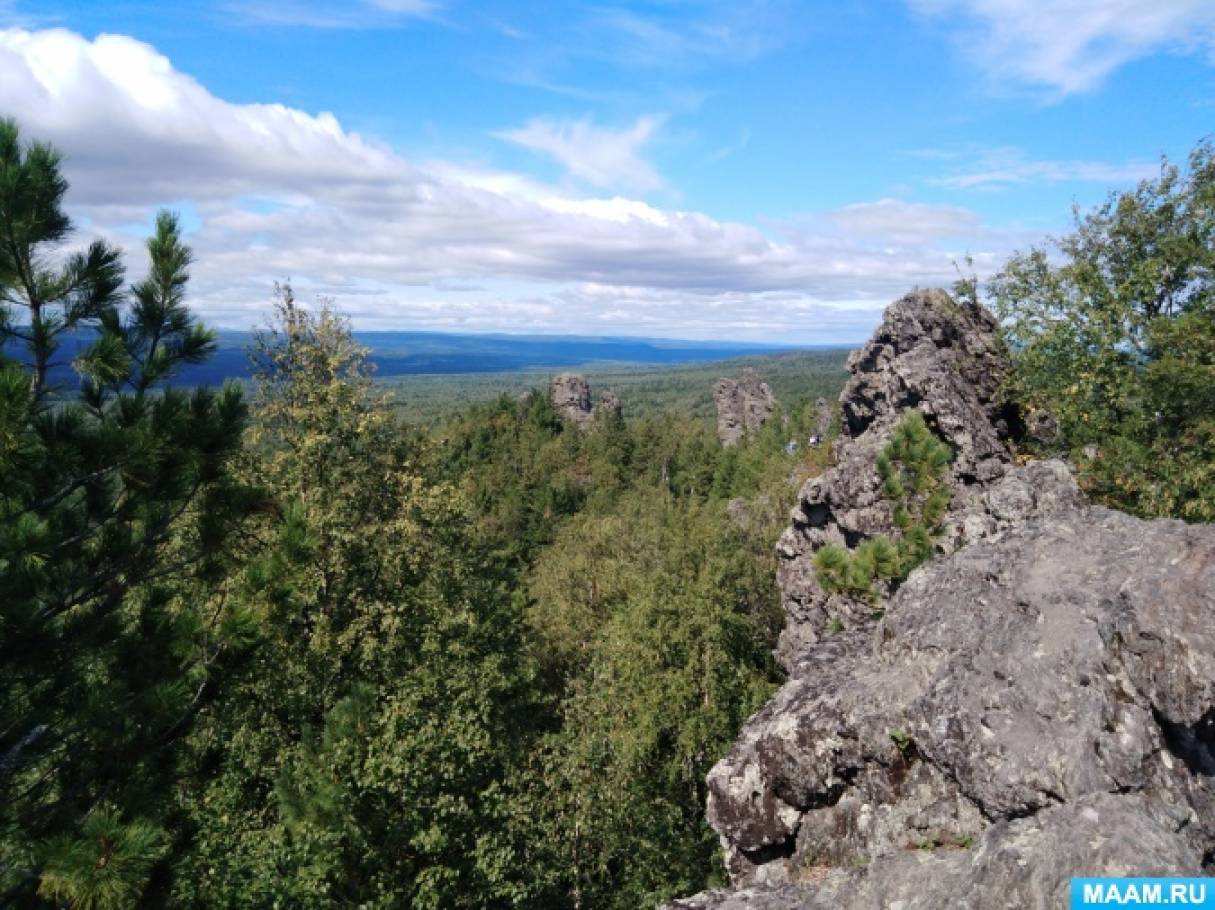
pixel 912 469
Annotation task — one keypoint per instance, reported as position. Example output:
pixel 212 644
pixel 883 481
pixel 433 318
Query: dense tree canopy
pixel 1114 334
pixel 655 624
pixel 358 758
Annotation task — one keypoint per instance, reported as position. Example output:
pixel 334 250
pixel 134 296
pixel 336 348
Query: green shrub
pixel 1113 335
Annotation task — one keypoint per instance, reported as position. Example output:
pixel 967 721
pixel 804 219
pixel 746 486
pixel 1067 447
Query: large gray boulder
pixel 824 417
pixel 1029 709
pixel 743 406
pixel 608 404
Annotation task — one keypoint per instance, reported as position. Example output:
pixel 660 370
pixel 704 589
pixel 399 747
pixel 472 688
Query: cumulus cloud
pixel 138 131
pixel 276 192
pixel 602 156
pixel 1071 45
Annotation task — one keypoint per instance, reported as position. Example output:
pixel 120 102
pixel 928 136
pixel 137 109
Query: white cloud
pixel 602 156
pixel 1071 45
pixel 998 168
pixel 141 132
pixel 276 192
pixel 562 52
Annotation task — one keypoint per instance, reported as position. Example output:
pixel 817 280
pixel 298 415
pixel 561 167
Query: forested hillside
pixel 278 647
pixel 647 390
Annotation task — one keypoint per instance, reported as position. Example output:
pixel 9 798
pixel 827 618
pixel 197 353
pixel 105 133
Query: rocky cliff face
pixel 1037 703
pixel 743 406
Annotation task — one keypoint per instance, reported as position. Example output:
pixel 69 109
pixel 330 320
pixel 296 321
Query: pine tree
pixel 912 469
pixel 110 496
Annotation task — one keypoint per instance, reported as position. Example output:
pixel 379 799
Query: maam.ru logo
pixel 1142 892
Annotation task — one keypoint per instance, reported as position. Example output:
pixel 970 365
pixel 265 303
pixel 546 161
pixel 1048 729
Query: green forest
pixel 648 390
pixel 305 644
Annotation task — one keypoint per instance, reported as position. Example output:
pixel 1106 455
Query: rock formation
pixel 1037 704
pixel 609 404
pixel 571 397
pixel 947 360
pixel 824 416
pixel 743 406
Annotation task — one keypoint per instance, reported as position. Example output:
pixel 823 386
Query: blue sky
pixel 744 170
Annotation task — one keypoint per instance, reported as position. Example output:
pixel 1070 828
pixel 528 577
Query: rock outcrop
pixel 1036 703
pixel 570 394
pixel 824 416
pixel 609 404
pixel 743 406
pixel 1033 707
pixel 571 397
pixel 947 360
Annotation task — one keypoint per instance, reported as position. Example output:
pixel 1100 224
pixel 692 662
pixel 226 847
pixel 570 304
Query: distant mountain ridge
pixel 404 353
